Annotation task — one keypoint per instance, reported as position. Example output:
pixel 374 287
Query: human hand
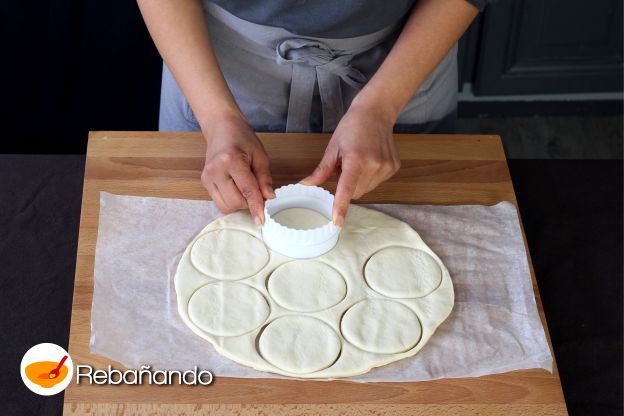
pixel 363 152
pixel 236 171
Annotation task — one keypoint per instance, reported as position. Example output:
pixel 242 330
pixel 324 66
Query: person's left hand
pixel 363 152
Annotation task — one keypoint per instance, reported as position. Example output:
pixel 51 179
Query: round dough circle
pixel 402 272
pixel 227 308
pixel 299 344
pixel 229 254
pixel 381 326
pixel 306 286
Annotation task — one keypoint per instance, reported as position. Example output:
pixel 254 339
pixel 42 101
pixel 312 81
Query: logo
pixel 47 369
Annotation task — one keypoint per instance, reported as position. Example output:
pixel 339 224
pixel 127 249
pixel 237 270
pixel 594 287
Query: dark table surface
pixel 571 209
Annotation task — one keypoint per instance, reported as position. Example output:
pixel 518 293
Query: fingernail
pixel 338 221
pixel 258 221
pixel 304 181
pixel 271 192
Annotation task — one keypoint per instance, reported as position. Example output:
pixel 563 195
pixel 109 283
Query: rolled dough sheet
pixel 377 297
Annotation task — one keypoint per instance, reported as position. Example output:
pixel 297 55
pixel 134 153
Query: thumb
pixel 323 170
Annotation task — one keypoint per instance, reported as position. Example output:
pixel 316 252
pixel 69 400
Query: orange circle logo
pixel 46 369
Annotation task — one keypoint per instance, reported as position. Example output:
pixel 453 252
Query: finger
pixel 386 172
pixel 260 167
pixel 347 185
pixel 323 170
pixel 216 197
pixel 364 185
pixel 230 194
pixel 369 181
pixel 250 190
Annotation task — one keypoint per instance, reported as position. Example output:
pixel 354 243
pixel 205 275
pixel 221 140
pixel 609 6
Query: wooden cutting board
pixel 436 169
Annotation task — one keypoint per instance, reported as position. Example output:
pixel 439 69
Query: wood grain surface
pixel 436 169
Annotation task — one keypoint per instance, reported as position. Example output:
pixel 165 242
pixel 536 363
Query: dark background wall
pixel 541 47
pixel 75 65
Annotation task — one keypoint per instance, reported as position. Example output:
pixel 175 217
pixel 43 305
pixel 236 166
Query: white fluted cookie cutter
pixel 300 244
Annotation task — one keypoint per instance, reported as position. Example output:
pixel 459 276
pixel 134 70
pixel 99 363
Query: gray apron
pixel 286 82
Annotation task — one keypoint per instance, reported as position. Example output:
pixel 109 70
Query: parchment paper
pixel 494 326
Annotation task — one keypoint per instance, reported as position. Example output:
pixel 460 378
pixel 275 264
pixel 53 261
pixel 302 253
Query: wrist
pixel 222 120
pixel 376 106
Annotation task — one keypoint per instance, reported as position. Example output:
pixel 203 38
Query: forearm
pixel 433 27
pixel 179 31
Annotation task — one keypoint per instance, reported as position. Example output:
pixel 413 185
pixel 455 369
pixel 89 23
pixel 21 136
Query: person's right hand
pixel 236 172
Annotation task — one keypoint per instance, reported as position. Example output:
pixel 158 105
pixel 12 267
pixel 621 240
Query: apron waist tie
pixel 315 62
